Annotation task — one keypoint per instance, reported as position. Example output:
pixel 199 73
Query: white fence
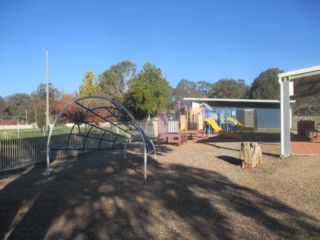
pixel 21 126
pixel 150 127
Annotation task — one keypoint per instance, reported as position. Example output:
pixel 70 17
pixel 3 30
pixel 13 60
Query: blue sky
pixel 195 40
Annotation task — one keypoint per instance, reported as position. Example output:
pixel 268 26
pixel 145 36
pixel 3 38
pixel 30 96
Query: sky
pixel 187 39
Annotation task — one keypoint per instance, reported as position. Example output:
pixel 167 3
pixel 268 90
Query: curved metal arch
pixel 125 117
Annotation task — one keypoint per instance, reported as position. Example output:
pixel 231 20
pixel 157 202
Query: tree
pixel 229 88
pixel 204 88
pixel 266 85
pixel 307 105
pixel 37 108
pixel 78 114
pixel 113 83
pixel 74 112
pixel 64 101
pixel 41 91
pixel 187 88
pixel 88 86
pixel 3 109
pixel 17 105
pixel 147 92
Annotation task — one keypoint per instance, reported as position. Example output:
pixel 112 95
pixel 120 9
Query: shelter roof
pixel 240 103
pixel 306 81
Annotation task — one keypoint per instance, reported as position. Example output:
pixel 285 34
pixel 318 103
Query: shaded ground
pixel 195 191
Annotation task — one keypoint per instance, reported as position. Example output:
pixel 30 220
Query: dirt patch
pixel 194 191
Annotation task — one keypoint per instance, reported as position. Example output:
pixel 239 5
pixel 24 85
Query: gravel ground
pixel 194 191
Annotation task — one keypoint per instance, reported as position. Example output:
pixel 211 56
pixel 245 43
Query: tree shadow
pixel 245 137
pixel 275 155
pixel 267 141
pixel 218 138
pixel 218 146
pixel 298 138
pixel 261 137
pixel 231 160
pixel 100 195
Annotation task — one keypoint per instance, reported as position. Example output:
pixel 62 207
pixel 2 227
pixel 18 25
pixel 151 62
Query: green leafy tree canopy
pixel 187 88
pixel 17 104
pixel 147 92
pixel 266 85
pixel 230 88
pixel 88 86
pixel 37 108
pixel 113 83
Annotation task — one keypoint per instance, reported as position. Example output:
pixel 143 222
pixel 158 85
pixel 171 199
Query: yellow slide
pixel 240 124
pixel 218 129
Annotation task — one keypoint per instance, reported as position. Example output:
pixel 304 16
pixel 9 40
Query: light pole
pixel 47 89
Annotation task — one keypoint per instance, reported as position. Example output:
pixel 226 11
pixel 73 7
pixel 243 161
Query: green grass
pixel 27 133
pixel 268 130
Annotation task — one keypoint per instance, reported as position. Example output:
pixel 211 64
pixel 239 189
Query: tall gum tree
pixel 230 88
pixel 113 83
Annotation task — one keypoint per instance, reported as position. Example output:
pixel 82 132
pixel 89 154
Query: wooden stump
pixel 250 154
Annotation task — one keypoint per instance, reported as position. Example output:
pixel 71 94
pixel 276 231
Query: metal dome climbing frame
pixel 98 123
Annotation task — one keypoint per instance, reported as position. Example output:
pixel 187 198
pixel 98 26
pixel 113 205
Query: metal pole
pixel 47 90
pixel 35 117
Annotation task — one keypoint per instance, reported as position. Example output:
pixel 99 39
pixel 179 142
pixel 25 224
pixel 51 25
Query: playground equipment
pixel 173 126
pixel 219 130
pixel 208 112
pixel 239 124
pixel 196 128
pixel 98 123
pixel 195 122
